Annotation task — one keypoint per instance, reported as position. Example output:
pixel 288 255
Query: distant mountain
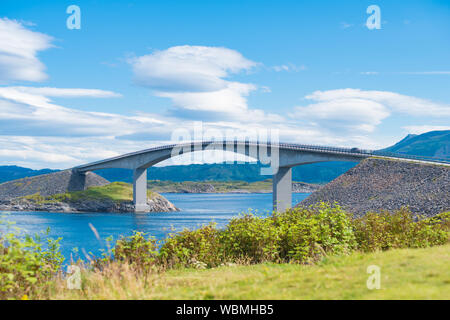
pixel 250 172
pixel 8 173
pixel 434 144
pixel 430 144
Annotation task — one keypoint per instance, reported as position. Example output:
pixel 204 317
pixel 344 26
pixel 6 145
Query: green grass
pixel 405 274
pixel 116 191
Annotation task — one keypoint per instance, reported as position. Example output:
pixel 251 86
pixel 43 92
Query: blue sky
pixel 138 70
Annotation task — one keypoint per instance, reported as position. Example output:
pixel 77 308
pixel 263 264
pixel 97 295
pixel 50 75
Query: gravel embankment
pixel 377 184
pixel 48 184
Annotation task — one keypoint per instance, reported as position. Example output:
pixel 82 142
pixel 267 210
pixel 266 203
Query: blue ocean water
pixel 196 210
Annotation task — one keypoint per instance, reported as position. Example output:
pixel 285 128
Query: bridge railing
pixel 409 156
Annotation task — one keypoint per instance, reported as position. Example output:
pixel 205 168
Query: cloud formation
pixel 195 79
pixel 393 101
pixel 28 111
pixel 359 110
pixel 18 52
pixel 188 68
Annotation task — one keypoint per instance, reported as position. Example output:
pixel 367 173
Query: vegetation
pixel 116 191
pixel 27 264
pixel 253 252
pixel 405 274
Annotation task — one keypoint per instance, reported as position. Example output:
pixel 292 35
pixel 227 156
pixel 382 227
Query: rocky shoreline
pixel 157 204
pixel 205 187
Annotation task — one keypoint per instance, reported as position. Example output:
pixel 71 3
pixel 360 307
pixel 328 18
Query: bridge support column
pixel 282 189
pixel 140 190
pixel 77 181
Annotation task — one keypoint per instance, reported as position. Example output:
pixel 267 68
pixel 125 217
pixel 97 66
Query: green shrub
pixel 301 235
pixel 192 248
pixel 25 266
pixel 138 250
pixel 250 238
pixel 385 230
pixel 306 234
pixel 442 219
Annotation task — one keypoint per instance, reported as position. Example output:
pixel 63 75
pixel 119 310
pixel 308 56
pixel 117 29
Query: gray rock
pixel 49 184
pixel 378 184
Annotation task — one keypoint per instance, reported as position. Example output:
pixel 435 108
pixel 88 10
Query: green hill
pixel 430 144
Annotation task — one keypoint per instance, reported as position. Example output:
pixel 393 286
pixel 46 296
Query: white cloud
pixel 370 73
pixel 288 68
pixel 194 78
pixel 61 152
pixel 26 111
pixel 353 112
pixel 350 113
pixel 425 128
pixel 390 100
pixel 231 98
pixel 18 52
pixel 65 92
pixel 188 68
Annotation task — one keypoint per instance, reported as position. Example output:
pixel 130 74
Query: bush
pixel 385 230
pixel 192 248
pixel 300 235
pixel 250 238
pixel 139 252
pixel 25 267
pixel 306 234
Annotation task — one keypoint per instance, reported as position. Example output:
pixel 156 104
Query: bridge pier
pixel 77 181
pixel 282 189
pixel 140 190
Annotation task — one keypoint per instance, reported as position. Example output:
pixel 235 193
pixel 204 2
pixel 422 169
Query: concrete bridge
pixel 281 157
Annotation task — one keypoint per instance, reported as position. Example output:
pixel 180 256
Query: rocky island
pixel 58 192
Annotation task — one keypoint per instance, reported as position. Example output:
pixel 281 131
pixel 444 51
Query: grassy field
pixel 405 274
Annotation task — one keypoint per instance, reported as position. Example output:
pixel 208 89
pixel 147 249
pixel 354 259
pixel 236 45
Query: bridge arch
pixel 281 157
